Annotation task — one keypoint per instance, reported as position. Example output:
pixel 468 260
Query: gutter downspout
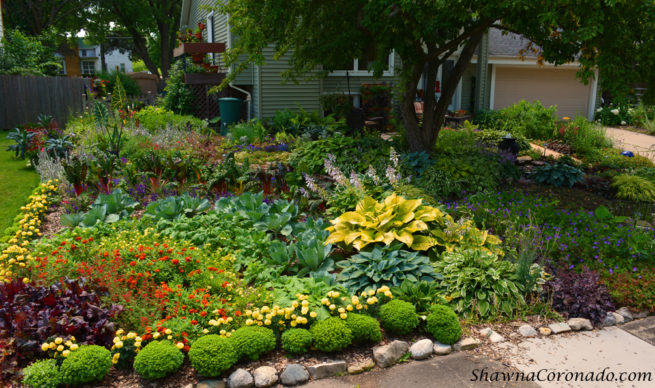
pixel 229 46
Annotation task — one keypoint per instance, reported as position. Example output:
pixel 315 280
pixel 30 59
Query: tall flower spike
pixel 354 180
pixel 333 171
pixel 393 156
pixel 371 173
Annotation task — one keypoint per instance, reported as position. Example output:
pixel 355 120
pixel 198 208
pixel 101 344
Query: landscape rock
pixel 527 331
pixel 265 376
pixel 486 331
pixel 240 378
pixel 211 384
pixel 294 374
pixel 626 314
pixel 360 367
pixel 327 369
pixel 514 335
pixel 421 349
pixel 441 349
pixel 578 324
pixel 618 317
pixel 521 160
pixel 538 162
pixel 495 338
pixel 544 331
pixel 609 320
pixel 387 355
pixel 559 327
pixel 641 314
pixel 466 344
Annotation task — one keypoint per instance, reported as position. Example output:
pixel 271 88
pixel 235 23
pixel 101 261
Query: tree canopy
pixel 323 34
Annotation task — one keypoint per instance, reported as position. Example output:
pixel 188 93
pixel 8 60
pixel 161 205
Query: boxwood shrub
pixel 42 374
pixel 364 328
pixel 296 341
pixel 158 359
pixel 331 335
pixel 212 355
pixel 442 323
pixel 399 317
pixel 87 364
pixel 251 342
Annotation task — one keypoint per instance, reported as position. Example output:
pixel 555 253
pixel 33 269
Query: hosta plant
pixel 479 284
pixel 558 174
pixel 384 266
pixel 419 227
pixel 394 219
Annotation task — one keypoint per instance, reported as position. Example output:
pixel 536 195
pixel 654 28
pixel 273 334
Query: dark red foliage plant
pixel 580 295
pixel 31 315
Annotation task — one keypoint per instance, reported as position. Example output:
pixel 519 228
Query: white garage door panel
pixel 550 86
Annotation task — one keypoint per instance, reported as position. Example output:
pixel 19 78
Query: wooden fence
pixel 24 98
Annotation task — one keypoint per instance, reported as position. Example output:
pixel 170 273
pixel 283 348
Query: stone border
pixel 385 356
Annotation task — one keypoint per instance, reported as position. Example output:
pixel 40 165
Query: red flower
pixel 132 263
pixel 175 261
pixel 194 322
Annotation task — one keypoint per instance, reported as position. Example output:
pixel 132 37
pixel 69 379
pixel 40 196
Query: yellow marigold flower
pixel 349 307
pixel 388 294
pixel 267 322
pixel 53 346
pixel 74 347
pixel 304 310
pixel 332 307
pixel 119 344
pixel 58 340
pixel 343 316
pixel 169 337
pixel 180 345
pixel 325 301
pixel 45 347
pixel 293 323
pixel 249 322
pixel 168 331
pixel 65 353
pixel 156 335
pixel 341 310
pixel 60 348
pixel 26 280
pixel 371 292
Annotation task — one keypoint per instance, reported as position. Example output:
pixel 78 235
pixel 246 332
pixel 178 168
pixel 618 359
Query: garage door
pixel 550 86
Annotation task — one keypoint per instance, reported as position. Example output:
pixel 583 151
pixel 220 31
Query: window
pixel 86 53
pixel 122 67
pixel 362 67
pixel 62 62
pixel 88 67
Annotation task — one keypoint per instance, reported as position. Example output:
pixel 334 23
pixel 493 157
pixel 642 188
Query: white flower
pixel 599 110
pixel 354 180
pixel 373 175
pixel 615 111
pixel 623 123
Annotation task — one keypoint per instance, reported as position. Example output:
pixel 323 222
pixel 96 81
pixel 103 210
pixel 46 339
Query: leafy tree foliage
pixel 22 54
pixel 323 34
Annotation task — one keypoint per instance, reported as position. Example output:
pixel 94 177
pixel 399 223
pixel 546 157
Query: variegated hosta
pixel 419 227
pixel 396 218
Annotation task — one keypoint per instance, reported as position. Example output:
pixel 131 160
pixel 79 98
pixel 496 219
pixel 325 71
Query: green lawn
pixel 17 181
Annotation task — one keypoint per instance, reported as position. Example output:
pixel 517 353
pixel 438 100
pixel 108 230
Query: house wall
pixel 114 59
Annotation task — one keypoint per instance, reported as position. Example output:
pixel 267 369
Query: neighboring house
pixel 84 60
pixel 506 79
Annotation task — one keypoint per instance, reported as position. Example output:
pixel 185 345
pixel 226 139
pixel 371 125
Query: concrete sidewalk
pixel 612 349
pixel 632 141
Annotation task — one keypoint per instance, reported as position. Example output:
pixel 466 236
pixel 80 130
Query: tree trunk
pixel 434 111
pixel 103 60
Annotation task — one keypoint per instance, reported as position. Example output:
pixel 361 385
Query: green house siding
pixel 277 95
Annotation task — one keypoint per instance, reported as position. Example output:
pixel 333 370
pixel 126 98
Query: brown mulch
pixel 51 225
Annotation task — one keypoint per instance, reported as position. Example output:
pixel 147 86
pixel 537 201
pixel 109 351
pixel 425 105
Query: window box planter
pixel 198 48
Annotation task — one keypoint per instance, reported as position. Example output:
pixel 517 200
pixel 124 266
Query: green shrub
pixel 493 138
pixel 399 317
pixel 634 188
pixel 212 355
pixel 158 359
pixel 331 335
pixel 364 328
pixel 42 374
pixel 443 325
pixel 87 364
pixel 531 120
pixel 130 85
pixel 250 342
pixel 296 341
pixel 155 118
pixel 248 132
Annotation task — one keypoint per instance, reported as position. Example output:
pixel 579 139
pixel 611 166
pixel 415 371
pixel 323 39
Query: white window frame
pixel 365 73
pixel 82 67
pixel 210 21
pixel 84 51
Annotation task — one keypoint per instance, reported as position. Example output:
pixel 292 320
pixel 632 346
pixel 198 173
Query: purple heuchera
pixel 580 295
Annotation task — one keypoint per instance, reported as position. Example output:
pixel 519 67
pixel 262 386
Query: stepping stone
pixel 240 378
pixel 327 369
pixel 560 327
pixel 625 313
pixel 387 355
pixel 521 160
pixel 495 338
pixel 441 349
pixel 294 374
pixel 641 315
pixel 360 367
pixel 265 376
pixel 466 344
pixel 578 324
pixel 421 349
pixel 527 331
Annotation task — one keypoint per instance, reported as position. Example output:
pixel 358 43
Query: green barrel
pixel 230 111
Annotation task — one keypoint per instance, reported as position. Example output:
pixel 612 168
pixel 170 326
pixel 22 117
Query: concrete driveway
pixel 633 141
